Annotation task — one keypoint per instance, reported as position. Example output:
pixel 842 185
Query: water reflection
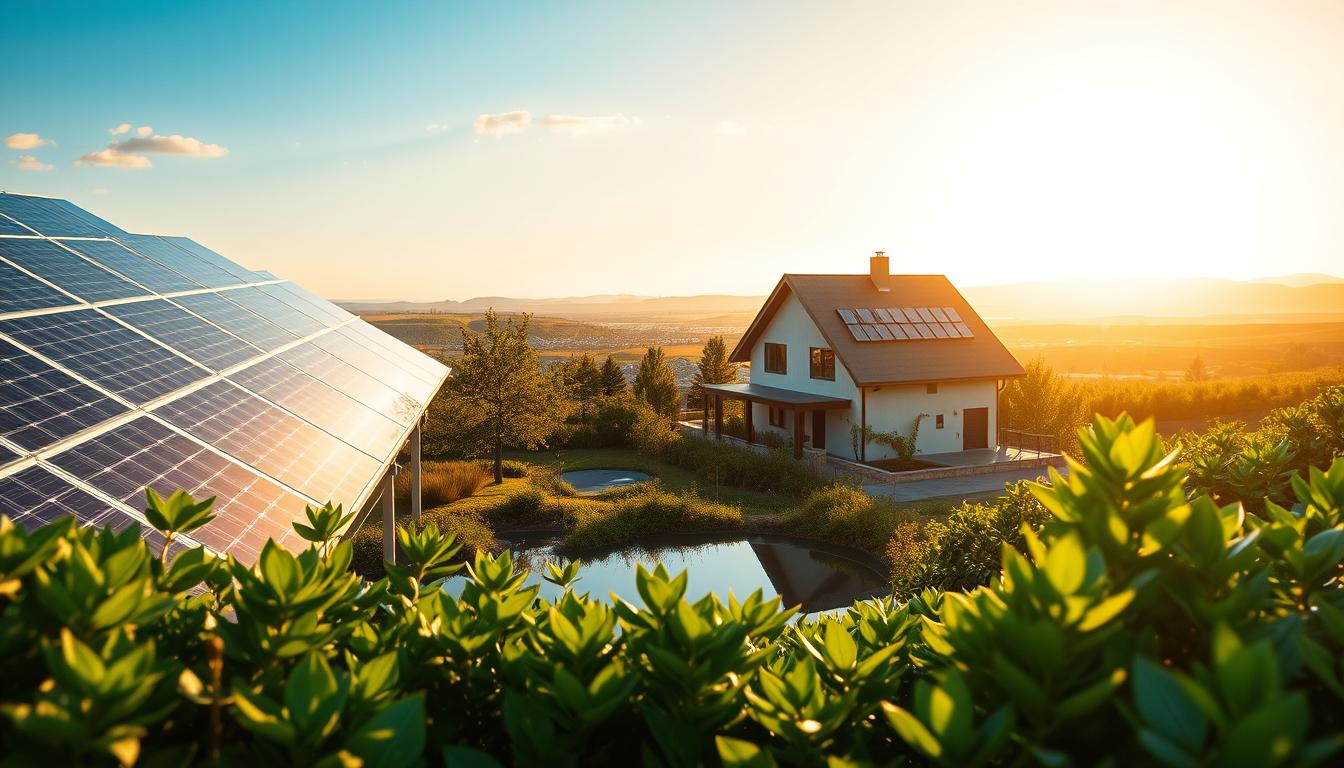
pixel 816 577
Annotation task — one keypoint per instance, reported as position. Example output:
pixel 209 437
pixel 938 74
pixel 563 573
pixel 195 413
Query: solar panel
pixel 906 323
pixel 180 261
pixel 865 316
pixel 233 318
pixel 952 314
pixel 315 405
pixel 185 332
pixel 281 445
pixel 20 291
pixel 34 496
pixel 40 405
pixel 146 454
pixel 67 270
pixel 55 218
pixel 141 269
pixel 9 226
pixel 964 331
pixel 105 353
pixel 848 316
pixel 315 402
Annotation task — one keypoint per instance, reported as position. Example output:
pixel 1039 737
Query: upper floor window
pixel 776 358
pixel 822 363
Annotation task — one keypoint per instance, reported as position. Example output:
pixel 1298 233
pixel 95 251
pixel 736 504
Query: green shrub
pixel 1138 626
pixel 641 512
pixel 720 463
pixel 848 516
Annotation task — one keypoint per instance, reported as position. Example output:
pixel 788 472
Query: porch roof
pixel 784 398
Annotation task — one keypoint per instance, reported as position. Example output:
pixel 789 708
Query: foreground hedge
pixel 1137 627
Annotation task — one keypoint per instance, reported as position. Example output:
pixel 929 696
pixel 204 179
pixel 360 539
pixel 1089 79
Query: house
pixel 832 353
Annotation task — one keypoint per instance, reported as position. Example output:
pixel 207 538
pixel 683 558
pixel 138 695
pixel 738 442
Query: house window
pixel 931 389
pixel 823 363
pixel 776 358
pixel 776 416
pixel 938 421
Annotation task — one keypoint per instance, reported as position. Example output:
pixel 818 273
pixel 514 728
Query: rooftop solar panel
pixel 847 316
pixel 141 269
pixel 67 270
pixel 54 218
pixel 315 406
pixel 952 314
pixel 40 405
pixel 20 291
pixel 104 352
pixel 146 454
pixel 185 332
pixel 965 331
pixel 234 318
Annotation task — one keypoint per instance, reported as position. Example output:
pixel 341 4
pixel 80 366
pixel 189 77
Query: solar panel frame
pixel 9 226
pixel 100 350
pixel 67 270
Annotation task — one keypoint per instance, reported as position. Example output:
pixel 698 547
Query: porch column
pixel 718 416
pixel 415 474
pixel 746 419
pixel 798 433
pixel 389 517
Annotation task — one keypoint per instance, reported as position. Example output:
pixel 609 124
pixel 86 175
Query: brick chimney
pixel 879 270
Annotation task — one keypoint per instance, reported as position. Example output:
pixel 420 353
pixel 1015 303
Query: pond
pixel 819 578
pixel 590 481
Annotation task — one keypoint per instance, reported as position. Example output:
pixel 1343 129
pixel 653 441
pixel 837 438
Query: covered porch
pixel 798 408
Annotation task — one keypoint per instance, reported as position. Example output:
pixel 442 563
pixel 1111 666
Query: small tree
pixel 656 385
pixel 714 369
pixel 582 381
pixel 1197 370
pixel 500 374
pixel 613 378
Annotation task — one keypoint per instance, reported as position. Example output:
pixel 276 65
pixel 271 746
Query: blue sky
pixel 691 147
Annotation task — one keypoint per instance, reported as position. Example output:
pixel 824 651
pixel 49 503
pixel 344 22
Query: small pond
pixel 819 578
pixel 590 481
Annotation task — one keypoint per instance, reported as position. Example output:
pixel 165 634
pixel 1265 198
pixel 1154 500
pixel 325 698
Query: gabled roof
pixel 873 363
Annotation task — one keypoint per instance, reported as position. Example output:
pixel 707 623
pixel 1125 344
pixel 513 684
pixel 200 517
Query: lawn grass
pixel 670 477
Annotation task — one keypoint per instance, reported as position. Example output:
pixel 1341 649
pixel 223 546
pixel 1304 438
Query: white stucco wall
pixel 890 408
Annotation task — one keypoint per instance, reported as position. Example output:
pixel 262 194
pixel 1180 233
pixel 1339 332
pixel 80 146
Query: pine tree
pixel 613 378
pixel 582 380
pixel 714 369
pixel 656 385
pixel 500 375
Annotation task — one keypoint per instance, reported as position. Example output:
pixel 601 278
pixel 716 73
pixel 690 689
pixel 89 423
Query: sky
pixel 446 150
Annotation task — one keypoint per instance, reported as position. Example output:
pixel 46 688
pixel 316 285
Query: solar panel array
pixel 130 361
pixel 904 323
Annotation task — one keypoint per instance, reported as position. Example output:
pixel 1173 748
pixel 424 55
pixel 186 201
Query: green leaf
pixel 1162 703
pixel 393 738
pixel 912 731
pixel 737 753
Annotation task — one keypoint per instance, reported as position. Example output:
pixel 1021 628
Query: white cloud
pixel 30 163
pixel 144 130
pixel 130 153
pixel 729 128
pixel 26 141
pixel 120 129
pixel 572 125
pixel 502 123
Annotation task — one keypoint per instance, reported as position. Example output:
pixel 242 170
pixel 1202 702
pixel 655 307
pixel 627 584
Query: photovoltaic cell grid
pixel 904 323
pixel 315 403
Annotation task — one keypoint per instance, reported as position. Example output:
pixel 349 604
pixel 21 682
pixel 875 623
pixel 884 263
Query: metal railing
pixel 1028 441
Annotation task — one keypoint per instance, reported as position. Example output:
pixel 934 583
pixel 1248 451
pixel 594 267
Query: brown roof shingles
pixel 873 363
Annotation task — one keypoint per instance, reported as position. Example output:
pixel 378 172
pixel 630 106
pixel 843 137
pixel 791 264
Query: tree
pixel 1043 402
pixel 500 375
pixel 582 381
pixel 613 378
pixel 656 385
pixel 714 369
pixel 1197 370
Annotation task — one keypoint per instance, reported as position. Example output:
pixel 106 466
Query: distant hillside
pixel 1292 297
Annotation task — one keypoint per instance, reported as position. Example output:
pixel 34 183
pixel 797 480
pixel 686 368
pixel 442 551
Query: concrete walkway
pixel 970 485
